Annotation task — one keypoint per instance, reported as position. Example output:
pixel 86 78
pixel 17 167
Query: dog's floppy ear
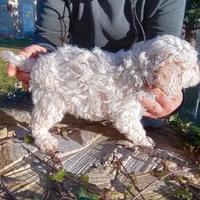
pixel 168 77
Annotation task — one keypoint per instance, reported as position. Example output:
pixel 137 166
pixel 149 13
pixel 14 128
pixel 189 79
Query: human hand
pixel 162 105
pixel 29 51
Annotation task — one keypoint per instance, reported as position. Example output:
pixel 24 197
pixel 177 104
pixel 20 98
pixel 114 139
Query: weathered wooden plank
pixel 89 149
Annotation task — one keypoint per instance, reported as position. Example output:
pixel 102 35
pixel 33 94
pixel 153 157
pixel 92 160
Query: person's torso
pixel 110 24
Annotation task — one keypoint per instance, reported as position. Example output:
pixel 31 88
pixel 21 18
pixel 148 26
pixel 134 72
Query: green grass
pixel 7 83
pixel 14 43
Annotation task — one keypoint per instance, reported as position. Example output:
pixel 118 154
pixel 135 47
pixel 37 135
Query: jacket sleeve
pixel 166 18
pixel 52 25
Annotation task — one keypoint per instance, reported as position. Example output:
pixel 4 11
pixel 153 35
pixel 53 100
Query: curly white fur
pixel 98 85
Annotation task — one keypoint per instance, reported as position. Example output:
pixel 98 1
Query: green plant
pixel 192 132
pixel 28 139
pixel 177 122
pixel 192 14
pixel 57 176
pixel 84 179
pixel 192 21
pixel 183 194
pixel 193 136
pixel 84 195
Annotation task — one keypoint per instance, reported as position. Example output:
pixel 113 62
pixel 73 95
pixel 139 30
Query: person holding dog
pixel 111 25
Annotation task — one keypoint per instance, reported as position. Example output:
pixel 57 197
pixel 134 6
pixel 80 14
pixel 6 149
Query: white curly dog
pixel 98 85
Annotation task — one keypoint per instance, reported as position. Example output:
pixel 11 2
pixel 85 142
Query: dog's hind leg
pixel 47 111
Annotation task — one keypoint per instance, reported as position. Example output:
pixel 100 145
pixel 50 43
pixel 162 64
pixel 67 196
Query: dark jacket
pixel 110 24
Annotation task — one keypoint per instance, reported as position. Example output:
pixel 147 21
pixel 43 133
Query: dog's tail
pixel 23 63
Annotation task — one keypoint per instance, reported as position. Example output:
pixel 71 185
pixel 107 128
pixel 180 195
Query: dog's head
pixel 172 63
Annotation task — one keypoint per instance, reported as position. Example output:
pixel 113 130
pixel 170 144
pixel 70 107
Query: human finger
pixel 170 104
pixel 11 70
pixel 151 106
pixel 32 51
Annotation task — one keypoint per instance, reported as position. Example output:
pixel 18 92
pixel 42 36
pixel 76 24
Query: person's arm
pixel 51 31
pixel 167 18
pixel 52 25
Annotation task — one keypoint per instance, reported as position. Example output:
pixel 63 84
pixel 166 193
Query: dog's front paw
pixel 147 142
pixel 126 144
pixel 48 144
